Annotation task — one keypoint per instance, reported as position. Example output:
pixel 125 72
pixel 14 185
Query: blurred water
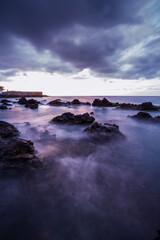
pixel 87 191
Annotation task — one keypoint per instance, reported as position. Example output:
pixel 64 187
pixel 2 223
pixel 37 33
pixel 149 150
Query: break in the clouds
pixel 117 39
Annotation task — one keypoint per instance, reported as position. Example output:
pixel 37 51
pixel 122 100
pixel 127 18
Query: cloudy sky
pixel 81 47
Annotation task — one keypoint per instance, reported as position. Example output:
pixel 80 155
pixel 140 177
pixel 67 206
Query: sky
pixel 80 47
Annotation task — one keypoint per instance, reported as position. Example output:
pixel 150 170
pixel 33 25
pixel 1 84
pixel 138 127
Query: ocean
pixel 109 192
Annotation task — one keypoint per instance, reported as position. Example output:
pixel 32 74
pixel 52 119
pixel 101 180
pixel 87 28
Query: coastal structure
pixel 22 93
pixel 1 89
pixel 19 93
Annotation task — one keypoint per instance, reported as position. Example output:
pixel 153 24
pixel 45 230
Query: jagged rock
pixel 18 153
pixel 101 103
pixel 22 100
pixel 74 119
pixel 7 130
pixel 101 131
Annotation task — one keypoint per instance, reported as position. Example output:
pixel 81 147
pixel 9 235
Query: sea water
pixel 110 192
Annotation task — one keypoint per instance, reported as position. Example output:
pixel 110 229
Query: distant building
pixel 1 89
pixel 23 94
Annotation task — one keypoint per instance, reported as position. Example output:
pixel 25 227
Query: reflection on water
pixel 87 191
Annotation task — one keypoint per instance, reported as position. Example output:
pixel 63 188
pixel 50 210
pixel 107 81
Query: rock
pixel 146 116
pixel 101 131
pixel 146 106
pixel 142 115
pixel 32 101
pixel 22 100
pixel 18 152
pixel 74 119
pixel 5 101
pixel 3 107
pixel 91 112
pixel 76 101
pixel 7 130
pixel 101 103
pixel 56 102
pixel 31 105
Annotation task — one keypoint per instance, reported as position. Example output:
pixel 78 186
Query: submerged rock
pixel 101 103
pixel 69 117
pixel 18 152
pixel 7 130
pixel 101 131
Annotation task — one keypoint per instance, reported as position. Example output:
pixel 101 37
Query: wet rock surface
pixel 7 130
pixel 18 153
pixel 70 118
pixel 101 131
pixel 101 103
pixel 14 151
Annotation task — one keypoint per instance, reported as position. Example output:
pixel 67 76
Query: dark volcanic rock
pixel 31 105
pixel 76 101
pixel 146 106
pixel 74 119
pixel 146 117
pixel 57 102
pixel 142 115
pixel 22 100
pixel 18 152
pixel 101 103
pixel 101 131
pixel 7 130
pixel 5 101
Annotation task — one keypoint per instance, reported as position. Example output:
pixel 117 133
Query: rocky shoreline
pixel 18 152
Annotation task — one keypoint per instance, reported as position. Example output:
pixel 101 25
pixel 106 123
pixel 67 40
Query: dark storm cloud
pixel 77 34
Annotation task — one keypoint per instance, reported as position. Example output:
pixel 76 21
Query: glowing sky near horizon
pixel 100 47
